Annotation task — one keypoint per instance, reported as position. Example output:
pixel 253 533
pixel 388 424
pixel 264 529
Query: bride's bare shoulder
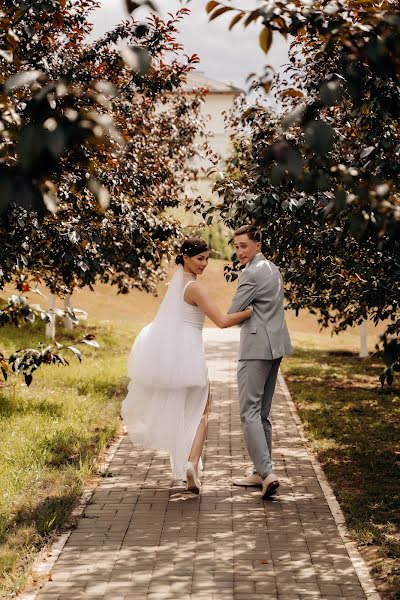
pixel 195 288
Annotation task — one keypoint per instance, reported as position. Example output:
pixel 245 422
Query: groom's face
pixel 245 248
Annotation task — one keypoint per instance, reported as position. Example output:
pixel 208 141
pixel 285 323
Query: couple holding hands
pixel 167 406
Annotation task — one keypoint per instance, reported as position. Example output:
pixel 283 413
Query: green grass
pixel 51 433
pixel 353 427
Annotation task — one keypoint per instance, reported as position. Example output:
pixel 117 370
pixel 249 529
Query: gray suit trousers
pixel 256 383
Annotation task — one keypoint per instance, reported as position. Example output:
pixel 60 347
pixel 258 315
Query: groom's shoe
pixel 251 480
pixel 269 485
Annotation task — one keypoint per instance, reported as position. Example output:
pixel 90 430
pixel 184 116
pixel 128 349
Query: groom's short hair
pixel 251 231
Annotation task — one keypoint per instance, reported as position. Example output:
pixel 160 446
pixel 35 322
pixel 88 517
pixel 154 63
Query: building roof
pixel 197 79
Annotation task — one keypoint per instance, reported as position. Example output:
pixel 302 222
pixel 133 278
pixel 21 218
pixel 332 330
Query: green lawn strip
pixel 51 433
pixel 353 428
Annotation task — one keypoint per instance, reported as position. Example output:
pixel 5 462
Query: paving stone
pixel 143 537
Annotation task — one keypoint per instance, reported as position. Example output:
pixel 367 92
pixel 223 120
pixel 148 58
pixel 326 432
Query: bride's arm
pixel 195 294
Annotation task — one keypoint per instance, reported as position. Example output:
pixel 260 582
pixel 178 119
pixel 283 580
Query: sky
pixel 227 56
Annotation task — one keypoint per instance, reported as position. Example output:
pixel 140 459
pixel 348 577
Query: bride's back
pixel 192 315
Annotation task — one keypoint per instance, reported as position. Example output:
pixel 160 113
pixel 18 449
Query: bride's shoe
pixel 192 482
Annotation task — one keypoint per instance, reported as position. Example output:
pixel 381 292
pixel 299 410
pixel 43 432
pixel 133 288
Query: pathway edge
pixel 358 562
pixel 47 557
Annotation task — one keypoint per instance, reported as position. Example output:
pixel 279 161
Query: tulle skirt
pixel 166 417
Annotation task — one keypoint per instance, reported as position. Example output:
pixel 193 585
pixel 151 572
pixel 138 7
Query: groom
pixel 264 339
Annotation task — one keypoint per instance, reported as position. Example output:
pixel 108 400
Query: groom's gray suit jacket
pixel 265 335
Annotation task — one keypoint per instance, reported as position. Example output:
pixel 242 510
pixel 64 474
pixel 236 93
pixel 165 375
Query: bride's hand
pixel 250 310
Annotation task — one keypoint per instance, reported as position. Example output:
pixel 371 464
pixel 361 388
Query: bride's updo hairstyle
pixel 191 247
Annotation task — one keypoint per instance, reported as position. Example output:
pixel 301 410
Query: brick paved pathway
pixel 143 537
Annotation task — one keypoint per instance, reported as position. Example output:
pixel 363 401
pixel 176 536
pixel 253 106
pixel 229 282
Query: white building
pixel 219 100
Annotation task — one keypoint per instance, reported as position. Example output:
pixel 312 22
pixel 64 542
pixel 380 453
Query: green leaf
pixel 320 137
pixel 220 11
pixel 340 199
pixel 330 92
pixel 100 192
pixel 77 352
pixel 131 5
pixel 292 93
pixel 253 16
pixel 277 174
pixel 20 80
pixel 265 39
pixel 235 20
pixel 7 55
pixel 92 343
pixel 366 151
pixel 293 118
pixel 56 142
pixel 211 5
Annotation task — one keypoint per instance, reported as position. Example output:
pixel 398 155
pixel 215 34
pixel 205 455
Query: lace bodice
pixel 192 315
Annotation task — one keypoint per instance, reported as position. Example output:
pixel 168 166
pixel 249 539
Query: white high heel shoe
pixel 192 482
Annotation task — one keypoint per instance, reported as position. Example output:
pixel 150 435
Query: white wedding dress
pixel 168 390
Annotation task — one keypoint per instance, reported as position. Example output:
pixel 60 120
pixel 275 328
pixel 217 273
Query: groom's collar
pixel 255 259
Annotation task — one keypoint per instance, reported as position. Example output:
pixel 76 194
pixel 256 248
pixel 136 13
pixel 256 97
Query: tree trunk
pixel 363 339
pixel 68 324
pixel 51 326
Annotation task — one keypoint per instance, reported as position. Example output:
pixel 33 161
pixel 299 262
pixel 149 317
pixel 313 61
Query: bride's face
pixel 196 264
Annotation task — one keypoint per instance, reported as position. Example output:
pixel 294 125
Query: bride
pixel 167 403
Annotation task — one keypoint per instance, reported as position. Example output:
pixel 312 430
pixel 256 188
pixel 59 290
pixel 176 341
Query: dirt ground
pixel 140 308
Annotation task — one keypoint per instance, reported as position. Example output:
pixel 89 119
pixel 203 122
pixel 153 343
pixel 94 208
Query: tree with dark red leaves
pixel 322 179
pixel 96 146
